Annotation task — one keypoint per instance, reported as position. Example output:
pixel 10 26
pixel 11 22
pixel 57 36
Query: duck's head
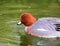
pixel 27 19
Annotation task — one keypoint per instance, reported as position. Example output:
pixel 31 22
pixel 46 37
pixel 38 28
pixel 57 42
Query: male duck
pixel 44 27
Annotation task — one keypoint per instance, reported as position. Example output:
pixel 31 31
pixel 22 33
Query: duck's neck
pixel 26 28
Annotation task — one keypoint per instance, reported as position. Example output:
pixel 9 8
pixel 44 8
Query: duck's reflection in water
pixel 26 40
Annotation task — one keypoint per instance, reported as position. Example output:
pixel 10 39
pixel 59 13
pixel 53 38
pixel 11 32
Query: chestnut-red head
pixel 27 19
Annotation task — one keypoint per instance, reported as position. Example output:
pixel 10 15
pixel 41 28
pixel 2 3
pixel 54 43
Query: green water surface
pixel 13 35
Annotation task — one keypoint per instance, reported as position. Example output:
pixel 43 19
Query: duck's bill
pixel 19 23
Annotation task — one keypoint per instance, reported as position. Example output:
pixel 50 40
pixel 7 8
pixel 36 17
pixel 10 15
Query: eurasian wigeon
pixel 48 27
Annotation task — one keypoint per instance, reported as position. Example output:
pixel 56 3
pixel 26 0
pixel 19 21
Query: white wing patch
pixel 41 29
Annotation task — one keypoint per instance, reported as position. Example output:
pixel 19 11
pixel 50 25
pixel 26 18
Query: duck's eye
pixel 57 27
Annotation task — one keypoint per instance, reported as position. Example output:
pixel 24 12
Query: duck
pixel 46 27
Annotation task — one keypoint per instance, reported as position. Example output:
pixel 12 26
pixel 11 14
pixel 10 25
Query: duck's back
pixel 46 27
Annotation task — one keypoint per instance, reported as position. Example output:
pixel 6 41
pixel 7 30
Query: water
pixel 34 41
pixel 27 40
